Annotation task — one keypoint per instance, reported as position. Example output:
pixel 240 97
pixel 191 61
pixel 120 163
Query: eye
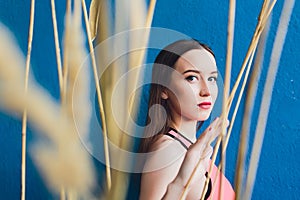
pixel 212 79
pixel 191 78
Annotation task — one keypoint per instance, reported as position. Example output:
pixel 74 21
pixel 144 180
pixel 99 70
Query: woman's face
pixel 193 87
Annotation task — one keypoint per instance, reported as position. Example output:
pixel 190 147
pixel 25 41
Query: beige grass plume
pixel 63 161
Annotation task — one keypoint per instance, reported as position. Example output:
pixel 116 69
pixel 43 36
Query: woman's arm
pixel 161 170
pixel 170 182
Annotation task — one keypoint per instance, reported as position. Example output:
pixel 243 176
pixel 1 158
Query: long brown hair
pixel 160 119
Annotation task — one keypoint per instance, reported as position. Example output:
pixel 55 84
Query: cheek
pixel 214 92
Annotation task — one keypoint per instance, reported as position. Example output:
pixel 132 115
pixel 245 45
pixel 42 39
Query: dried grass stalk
pixel 66 52
pixel 24 117
pixel 63 159
pixel 262 20
pixel 92 33
pixel 138 40
pixel 63 88
pixel 251 49
pixel 57 48
pixel 78 89
pixel 230 37
pixel 125 20
pixel 249 105
pixel 242 145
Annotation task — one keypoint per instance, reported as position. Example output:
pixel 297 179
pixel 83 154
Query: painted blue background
pixel 278 174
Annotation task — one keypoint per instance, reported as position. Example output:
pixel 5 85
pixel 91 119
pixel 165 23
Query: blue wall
pixel 278 174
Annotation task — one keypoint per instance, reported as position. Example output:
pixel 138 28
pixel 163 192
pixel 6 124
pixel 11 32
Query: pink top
pixel 227 191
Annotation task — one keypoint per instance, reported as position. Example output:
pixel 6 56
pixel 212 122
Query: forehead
pixel 198 59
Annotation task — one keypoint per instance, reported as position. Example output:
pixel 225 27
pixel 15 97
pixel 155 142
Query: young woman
pixel 182 95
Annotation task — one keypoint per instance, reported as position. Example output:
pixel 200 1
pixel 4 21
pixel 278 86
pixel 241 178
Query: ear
pixel 164 95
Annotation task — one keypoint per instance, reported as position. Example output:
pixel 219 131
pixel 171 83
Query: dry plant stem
pixel 238 102
pixel 135 60
pixel 230 100
pixel 57 48
pixel 263 9
pixel 235 112
pixel 250 99
pixel 252 47
pixel 259 28
pixel 63 91
pixel 138 63
pixel 214 156
pixel 184 192
pixel 100 101
pixel 148 23
pixel 62 194
pixel 242 146
pixel 65 54
pixel 45 113
pixel 267 95
pixel 230 37
pixel 137 41
pixel 24 118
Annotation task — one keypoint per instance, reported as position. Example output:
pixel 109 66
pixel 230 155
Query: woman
pixel 182 95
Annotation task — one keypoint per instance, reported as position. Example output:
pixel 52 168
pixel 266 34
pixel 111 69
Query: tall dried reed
pixel 125 20
pixel 24 117
pixel 61 157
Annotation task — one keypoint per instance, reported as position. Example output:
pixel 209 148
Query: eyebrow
pixel 198 72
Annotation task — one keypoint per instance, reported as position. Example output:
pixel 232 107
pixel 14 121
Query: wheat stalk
pixel 249 104
pixel 59 65
pixel 136 58
pixel 66 52
pixel 262 19
pixel 100 101
pixel 230 37
pixel 246 60
pixel 57 48
pixel 260 26
pixel 125 19
pixel 138 40
pixel 24 118
pixel 57 159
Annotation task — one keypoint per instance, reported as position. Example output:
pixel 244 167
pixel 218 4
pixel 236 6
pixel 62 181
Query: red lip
pixel 205 105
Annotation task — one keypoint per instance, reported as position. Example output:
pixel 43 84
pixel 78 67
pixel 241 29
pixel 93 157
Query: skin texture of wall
pixel 278 175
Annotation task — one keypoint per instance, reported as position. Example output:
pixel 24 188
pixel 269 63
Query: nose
pixel 204 90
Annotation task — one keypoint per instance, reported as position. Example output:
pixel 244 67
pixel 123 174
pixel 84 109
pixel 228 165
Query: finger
pixel 214 132
pixel 207 152
pixel 217 130
pixel 207 133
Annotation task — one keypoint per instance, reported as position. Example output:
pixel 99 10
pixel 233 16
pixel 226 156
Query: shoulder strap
pixel 186 143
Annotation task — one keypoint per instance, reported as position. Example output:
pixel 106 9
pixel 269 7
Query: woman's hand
pixel 196 162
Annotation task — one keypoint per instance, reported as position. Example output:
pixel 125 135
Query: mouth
pixel 205 105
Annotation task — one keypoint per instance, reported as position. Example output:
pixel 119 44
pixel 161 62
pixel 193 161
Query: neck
pixel 187 128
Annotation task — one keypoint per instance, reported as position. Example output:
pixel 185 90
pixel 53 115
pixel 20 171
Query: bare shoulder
pixel 164 152
pixel 162 166
pixel 162 142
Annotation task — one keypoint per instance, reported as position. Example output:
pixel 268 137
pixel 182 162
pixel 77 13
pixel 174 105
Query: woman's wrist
pixel 175 190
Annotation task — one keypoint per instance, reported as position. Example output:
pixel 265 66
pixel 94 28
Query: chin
pixel 204 118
